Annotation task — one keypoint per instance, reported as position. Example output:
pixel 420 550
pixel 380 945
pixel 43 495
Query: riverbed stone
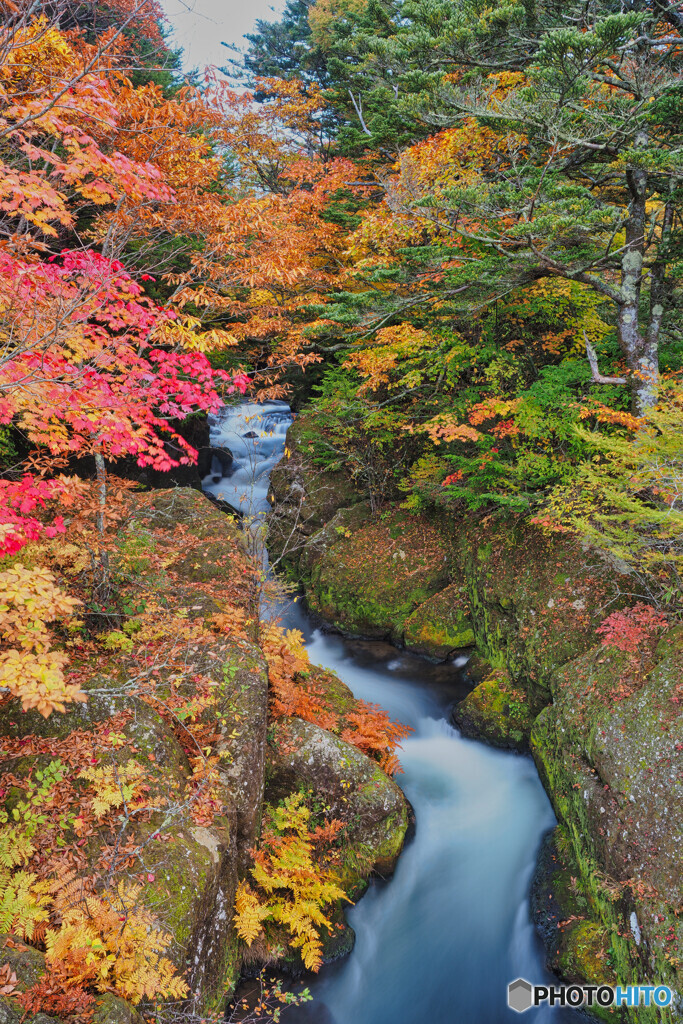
pixel 373 580
pixel 112 1009
pixel 440 626
pixel 534 601
pixel 306 491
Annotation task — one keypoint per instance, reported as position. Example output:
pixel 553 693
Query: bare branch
pixel 359 110
pixel 593 360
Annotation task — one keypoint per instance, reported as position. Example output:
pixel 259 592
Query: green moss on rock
pixel 305 494
pixel 584 954
pixel 534 601
pixel 372 581
pixel 440 625
pixel 111 1009
pixel 611 762
pixel 497 712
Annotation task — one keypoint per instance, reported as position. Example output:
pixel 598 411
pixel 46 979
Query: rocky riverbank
pixel 178 709
pixel 604 724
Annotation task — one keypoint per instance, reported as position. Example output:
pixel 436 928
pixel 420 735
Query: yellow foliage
pixel 30 599
pixel 185 332
pixel 38 680
pixel 23 899
pixel 250 913
pixel 23 902
pixel 34 673
pixel 393 348
pixel 626 499
pixel 114 785
pixel 292 889
pixel 39 54
pixel 324 15
pixel 115 640
pixel 110 942
pixel 285 651
pixel 411 212
pixel 574 306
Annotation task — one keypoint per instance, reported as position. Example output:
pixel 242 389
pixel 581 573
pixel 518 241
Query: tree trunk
pixel 642 358
pixel 101 578
pixel 640 351
pixel 101 470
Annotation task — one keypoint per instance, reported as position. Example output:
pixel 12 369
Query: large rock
pixel 380 575
pixel 352 787
pixel 388 577
pixel 441 625
pixel 191 866
pixel 496 712
pixel 304 494
pixel 576 943
pixel 612 763
pixel 534 601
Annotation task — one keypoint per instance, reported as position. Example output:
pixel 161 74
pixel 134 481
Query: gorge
pixel 441 939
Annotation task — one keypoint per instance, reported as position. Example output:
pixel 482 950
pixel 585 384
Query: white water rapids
pixel 439 941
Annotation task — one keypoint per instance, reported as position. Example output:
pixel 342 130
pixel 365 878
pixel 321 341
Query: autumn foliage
pixel 294 693
pixel 291 890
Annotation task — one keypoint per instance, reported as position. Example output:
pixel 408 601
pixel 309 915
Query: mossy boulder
pixel 353 789
pixel 343 523
pixel 583 954
pixel 577 945
pixel 610 752
pixel 534 601
pixel 497 712
pixel 112 1009
pixel 214 552
pixel 373 578
pixel 338 697
pixel 11 1013
pixel 441 625
pixel 305 493
pixel 26 962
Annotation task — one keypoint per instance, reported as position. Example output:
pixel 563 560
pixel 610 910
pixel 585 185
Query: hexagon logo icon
pixel 520 995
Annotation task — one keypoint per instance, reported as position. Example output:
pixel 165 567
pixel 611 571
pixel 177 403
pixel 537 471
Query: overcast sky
pixel 200 26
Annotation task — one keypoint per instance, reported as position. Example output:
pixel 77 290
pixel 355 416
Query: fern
pixel 110 942
pixel 291 889
pixel 114 786
pixel 23 898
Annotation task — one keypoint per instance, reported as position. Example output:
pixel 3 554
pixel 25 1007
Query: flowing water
pixel 439 941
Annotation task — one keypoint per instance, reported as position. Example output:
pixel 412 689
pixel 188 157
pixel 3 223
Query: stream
pixel 439 941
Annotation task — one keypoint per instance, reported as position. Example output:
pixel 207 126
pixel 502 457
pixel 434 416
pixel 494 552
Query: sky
pixel 200 26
